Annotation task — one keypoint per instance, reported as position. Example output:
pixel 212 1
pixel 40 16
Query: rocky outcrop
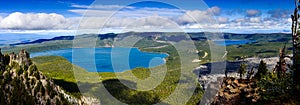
pixel 2 64
pixel 23 58
pixel 271 62
pixel 237 92
pixel 22 83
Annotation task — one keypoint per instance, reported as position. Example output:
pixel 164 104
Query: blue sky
pixel 240 16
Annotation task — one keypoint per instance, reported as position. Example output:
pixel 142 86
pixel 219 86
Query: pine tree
pixel 242 70
pixel 261 71
pixel 296 43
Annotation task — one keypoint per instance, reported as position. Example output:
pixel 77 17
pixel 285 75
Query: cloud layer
pixel 253 13
pixel 147 18
pixel 33 21
pixel 278 13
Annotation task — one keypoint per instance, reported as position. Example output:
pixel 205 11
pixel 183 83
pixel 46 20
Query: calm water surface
pixel 108 59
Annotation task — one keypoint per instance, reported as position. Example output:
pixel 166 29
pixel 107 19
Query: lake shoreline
pixel 104 56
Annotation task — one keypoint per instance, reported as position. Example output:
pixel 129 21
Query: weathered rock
pixel 1 56
pixel 236 92
pixel 33 87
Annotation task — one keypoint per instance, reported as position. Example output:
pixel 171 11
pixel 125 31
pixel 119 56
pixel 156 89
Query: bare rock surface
pixel 237 92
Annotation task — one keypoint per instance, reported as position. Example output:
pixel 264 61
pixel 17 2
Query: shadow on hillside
pixel 111 90
pixel 127 95
pixel 116 89
pixel 68 86
pixel 231 66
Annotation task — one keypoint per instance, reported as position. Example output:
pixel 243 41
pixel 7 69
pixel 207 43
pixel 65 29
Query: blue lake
pixel 229 42
pixel 108 59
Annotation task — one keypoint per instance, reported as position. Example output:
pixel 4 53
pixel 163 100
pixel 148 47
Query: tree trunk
pixel 296 48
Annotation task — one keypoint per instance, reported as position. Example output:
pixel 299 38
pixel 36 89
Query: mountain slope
pixel 22 83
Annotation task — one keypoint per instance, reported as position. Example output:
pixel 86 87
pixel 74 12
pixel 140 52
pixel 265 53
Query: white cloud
pixel 153 22
pixel 101 7
pixel 142 18
pixel 223 20
pixel 290 20
pixel 141 12
pixel 255 19
pixel 149 17
pixel 279 13
pixel 34 21
pixel 239 20
pixel 193 17
pixel 253 13
pixel 257 23
pixel 92 13
pixel 198 16
pixel 214 10
pixel 245 24
pixel 247 20
pixel 127 23
pixel 80 6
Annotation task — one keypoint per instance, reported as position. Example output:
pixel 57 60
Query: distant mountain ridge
pixel 172 36
pixel 45 40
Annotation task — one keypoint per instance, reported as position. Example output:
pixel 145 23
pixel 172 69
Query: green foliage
pixel 242 70
pixel 261 71
pixel 48 102
pixel 19 71
pixel 275 90
pixel 61 71
pixel 38 87
pixel 36 75
pixel 17 67
pixel 57 67
pixel 7 76
pixel 143 98
pixel 17 94
pixel 141 73
pixel 32 82
pixel 1 75
pixel 32 69
pixel 25 75
pixel 145 43
pixel 260 49
pixel 130 96
pixel 58 102
pixel 197 96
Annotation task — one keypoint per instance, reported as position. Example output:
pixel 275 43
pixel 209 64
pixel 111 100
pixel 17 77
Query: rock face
pixel 22 83
pixel 237 92
pixel 23 58
pixel 271 62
